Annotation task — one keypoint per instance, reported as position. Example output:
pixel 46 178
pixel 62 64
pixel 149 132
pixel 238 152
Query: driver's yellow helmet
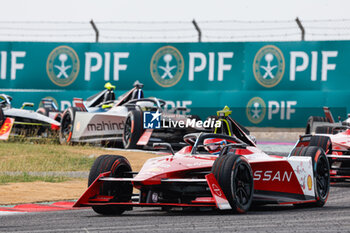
pixel 109 86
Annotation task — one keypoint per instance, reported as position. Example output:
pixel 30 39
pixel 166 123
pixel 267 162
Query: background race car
pixel 120 122
pixel 326 123
pixel 334 138
pixel 26 122
pixel 197 176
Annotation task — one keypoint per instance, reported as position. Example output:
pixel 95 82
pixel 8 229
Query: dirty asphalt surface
pixel 333 217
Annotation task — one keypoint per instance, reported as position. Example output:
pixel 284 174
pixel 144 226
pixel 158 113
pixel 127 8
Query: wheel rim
pixel 322 178
pixel 127 130
pixel 66 126
pixel 243 184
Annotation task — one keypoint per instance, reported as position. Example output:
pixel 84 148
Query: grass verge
pixel 24 157
pixel 25 177
pixel 24 160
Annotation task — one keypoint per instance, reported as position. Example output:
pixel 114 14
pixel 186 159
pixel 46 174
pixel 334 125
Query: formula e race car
pixel 96 103
pixel 214 170
pixel 334 137
pixel 25 122
pixel 104 119
pixel 322 124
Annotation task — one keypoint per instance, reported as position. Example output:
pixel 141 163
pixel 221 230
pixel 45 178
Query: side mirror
pixel 164 146
pixel 27 104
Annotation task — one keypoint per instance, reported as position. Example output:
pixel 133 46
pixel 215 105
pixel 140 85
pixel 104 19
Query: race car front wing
pixel 92 196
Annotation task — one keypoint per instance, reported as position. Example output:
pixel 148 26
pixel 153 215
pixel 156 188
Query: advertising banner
pixel 268 84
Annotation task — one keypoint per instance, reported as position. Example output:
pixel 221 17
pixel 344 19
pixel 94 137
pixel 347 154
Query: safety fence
pixel 175 31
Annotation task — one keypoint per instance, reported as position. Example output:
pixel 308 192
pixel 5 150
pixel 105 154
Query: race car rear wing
pixel 328 114
pixel 79 103
pixel 304 140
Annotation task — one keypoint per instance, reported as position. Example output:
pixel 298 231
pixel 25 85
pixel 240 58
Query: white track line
pixel 2 213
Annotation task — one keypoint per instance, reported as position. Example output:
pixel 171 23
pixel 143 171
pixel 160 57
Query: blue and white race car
pixel 104 119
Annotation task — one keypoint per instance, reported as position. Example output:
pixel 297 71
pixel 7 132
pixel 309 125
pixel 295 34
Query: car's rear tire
pixel 132 129
pixel 235 178
pixel 322 141
pixel 311 121
pixel 66 128
pixel 122 191
pixel 321 169
pixel 324 130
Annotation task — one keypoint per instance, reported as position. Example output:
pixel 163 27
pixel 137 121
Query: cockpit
pixel 210 143
pixel 5 101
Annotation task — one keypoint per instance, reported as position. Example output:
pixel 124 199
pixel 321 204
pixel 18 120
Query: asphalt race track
pixel 333 217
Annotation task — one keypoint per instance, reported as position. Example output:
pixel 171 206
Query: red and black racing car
pixel 334 138
pixel 214 170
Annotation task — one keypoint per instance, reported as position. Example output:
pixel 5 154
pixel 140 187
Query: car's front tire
pixel 132 129
pixel 66 125
pixel 321 169
pixel 119 167
pixel 235 177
